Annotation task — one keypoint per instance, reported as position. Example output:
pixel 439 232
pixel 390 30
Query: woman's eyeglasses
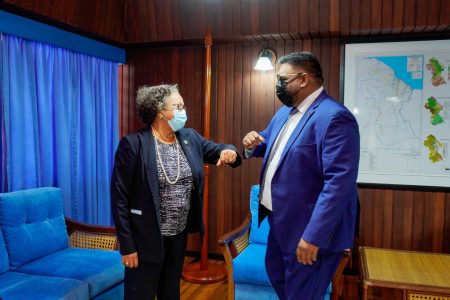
pixel 179 107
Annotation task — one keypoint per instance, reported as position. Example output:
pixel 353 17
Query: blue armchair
pixel 244 253
pixel 38 259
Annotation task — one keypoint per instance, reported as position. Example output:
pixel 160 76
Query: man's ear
pixel 304 80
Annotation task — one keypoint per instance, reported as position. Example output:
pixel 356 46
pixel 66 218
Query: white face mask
pixel 178 120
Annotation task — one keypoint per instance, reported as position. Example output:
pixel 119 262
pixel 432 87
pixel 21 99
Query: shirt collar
pixel 305 104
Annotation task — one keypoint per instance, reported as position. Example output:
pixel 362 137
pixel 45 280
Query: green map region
pixel 435 108
pixel 436 69
pixel 433 144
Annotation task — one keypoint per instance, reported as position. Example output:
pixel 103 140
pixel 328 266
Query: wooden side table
pixel 419 275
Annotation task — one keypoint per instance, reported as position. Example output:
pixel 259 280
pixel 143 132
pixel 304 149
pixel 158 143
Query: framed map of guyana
pixel 400 94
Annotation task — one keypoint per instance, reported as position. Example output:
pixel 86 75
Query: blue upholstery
pixel 99 268
pixel 250 291
pixel 252 258
pixel 33 224
pixel 257 234
pixel 116 292
pixel 35 261
pixel 4 260
pixel 249 272
pixel 17 286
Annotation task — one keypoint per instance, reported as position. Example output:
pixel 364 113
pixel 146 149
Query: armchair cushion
pixel 4 260
pixel 33 224
pixel 20 286
pixel 101 269
pixel 249 266
pixel 257 234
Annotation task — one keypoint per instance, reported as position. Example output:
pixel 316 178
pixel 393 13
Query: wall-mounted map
pixel 400 95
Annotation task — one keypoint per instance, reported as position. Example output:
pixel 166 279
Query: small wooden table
pixel 420 275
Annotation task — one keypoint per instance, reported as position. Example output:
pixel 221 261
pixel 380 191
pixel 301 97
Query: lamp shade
pixel 266 60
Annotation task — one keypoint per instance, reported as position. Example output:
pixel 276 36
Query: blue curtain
pixel 59 124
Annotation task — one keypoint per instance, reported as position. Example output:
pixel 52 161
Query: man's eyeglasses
pixel 289 80
pixel 179 107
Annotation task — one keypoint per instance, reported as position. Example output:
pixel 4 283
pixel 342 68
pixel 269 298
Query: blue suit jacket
pixel 314 192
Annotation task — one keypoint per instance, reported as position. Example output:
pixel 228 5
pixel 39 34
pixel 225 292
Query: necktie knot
pixel 293 111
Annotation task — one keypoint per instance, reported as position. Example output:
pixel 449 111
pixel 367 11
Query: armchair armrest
pixel 237 239
pixel 91 236
pixel 234 242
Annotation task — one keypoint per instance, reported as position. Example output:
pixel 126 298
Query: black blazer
pixel 135 189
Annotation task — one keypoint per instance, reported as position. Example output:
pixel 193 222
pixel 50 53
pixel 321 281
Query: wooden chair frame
pixel 235 241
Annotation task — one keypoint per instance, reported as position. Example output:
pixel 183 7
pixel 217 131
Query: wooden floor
pixel 214 291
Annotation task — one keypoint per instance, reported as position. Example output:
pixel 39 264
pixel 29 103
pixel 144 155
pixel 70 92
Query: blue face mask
pixel 178 120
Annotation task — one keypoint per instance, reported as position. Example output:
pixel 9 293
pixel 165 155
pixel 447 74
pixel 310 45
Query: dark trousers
pixel 293 280
pixel 162 279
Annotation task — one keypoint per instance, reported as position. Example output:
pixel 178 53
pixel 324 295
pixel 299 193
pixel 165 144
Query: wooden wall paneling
pixel 376 16
pixel 236 201
pixel 398 16
pixel 334 18
pixel 344 17
pixel 387 218
pixel 237 17
pixel 433 16
pixel 334 70
pixel 407 219
pixel 418 218
pixel 314 16
pixel 176 11
pixel 355 9
pixel 365 18
pixel 366 216
pixel 378 217
pixel 387 16
pixel 293 20
pixel 90 16
pixel 258 17
pixel 217 189
pixel 323 17
pixel 325 62
pixel 229 138
pixel 248 166
pixel 283 16
pixel 397 226
pixel 428 222
pixel 444 19
pixel 421 19
pixel 303 20
pixel 409 16
pixel 438 232
pixel 446 238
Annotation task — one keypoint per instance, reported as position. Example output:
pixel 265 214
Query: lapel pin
pixel 185 141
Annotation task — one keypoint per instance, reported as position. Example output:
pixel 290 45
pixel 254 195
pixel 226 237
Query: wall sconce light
pixel 266 60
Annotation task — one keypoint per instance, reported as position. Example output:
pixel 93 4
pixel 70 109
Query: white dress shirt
pixel 266 199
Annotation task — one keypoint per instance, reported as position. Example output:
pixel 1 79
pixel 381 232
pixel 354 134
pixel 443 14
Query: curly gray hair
pixel 152 99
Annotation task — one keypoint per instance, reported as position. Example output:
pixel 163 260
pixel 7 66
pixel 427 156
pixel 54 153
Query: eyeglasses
pixel 179 107
pixel 284 78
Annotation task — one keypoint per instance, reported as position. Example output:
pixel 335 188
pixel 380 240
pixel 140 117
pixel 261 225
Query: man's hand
pixel 306 252
pixel 251 140
pixel 130 260
pixel 227 157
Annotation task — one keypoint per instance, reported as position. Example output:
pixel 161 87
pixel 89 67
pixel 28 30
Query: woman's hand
pixel 227 157
pixel 130 260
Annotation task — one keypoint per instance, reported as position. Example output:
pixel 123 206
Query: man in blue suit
pixel 310 153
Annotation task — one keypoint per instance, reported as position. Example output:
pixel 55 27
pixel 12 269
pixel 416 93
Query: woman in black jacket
pixel 157 192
